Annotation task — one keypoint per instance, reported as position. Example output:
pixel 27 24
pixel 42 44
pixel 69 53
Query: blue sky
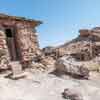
pixel 61 18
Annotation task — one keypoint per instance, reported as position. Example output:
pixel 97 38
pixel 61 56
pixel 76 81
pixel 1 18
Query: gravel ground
pixel 39 86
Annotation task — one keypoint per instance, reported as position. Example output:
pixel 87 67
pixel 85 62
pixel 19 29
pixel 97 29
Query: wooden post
pixel 91 47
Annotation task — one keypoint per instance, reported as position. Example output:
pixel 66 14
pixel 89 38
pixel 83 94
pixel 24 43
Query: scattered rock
pixel 47 61
pixel 71 94
pixel 38 66
pixel 92 66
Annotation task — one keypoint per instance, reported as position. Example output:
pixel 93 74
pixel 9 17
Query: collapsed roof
pixel 21 19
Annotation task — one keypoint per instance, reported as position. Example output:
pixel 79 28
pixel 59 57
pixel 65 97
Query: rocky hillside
pixel 88 41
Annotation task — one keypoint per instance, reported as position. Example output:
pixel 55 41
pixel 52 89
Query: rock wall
pixel 4 53
pixel 25 39
pixel 27 42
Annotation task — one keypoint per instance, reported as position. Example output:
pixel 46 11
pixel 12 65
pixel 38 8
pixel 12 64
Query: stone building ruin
pixel 85 47
pixel 18 39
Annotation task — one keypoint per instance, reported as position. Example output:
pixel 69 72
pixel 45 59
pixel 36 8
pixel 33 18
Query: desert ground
pixel 44 86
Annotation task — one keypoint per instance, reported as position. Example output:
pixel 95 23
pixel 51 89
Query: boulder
pixel 17 72
pixel 71 66
pixel 72 94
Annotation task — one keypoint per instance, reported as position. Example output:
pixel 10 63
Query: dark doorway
pixel 11 42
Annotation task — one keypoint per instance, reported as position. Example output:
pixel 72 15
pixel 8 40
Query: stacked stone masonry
pixel 22 39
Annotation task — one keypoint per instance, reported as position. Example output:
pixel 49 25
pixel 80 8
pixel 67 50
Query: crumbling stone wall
pixel 4 54
pixel 85 47
pixel 27 42
pixel 25 39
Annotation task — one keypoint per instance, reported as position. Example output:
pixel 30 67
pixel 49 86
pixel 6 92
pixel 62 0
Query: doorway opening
pixel 11 43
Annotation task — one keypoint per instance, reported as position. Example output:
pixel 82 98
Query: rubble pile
pixel 38 66
pixel 43 62
pixel 50 51
pixel 78 56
